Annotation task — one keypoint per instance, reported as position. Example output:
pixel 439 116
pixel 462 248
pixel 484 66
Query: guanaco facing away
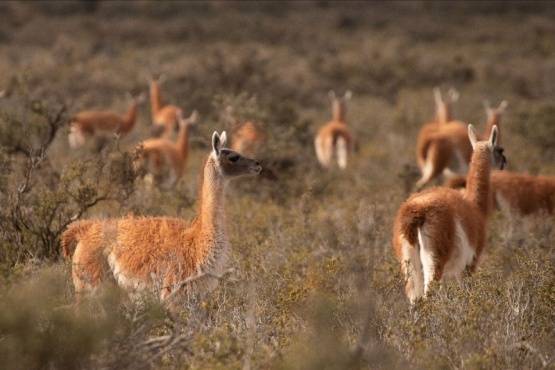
pixel 89 123
pixel 159 254
pixel 447 150
pixel 165 118
pixel 443 115
pixel 441 232
pixel 334 139
pixel 164 159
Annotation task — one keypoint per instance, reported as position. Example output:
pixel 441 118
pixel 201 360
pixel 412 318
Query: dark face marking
pixel 235 165
pixel 499 160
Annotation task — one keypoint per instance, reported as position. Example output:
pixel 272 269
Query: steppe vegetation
pixel 312 282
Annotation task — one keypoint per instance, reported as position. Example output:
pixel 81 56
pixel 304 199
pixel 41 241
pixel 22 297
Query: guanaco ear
pixel 193 117
pixel 223 139
pixel 348 95
pixel 141 98
pixel 493 137
pixel 216 143
pixel 332 95
pixel 472 136
pixel 437 95
pixel 453 95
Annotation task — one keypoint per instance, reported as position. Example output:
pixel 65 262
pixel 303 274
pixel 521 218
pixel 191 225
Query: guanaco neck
pixel 155 99
pixel 444 112
pixel 441 113
pixel 211 224
pixel 130 118
pixel 478 181
pixel 338 108
pixel 182 143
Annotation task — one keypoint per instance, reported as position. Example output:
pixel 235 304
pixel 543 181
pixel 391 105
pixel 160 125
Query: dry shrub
pixel 38 200
pixel 542 119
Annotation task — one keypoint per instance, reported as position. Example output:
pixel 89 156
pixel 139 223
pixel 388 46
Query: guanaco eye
pixel 233 158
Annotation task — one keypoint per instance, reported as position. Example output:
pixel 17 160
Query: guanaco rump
pixel 447 150
pixel 441 232
pixel 335 138
pixel 159 254
pixel 89 123
pixel 517 193
pixel 165 118
pixel 164 159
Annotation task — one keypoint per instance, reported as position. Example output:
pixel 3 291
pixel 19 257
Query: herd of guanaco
pixel 439 232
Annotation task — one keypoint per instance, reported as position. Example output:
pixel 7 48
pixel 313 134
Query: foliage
pixel 38 202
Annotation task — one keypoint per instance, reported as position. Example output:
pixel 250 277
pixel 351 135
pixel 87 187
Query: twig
pixel 200 274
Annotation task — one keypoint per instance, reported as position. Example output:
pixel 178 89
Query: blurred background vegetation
pixel 313 281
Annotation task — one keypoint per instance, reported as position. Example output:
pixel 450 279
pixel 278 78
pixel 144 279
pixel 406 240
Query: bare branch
pixel 200 274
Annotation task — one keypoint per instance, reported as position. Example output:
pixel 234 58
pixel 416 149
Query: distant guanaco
pixel 441 232
pixel 89 123
pixel 160 254
pixel 162 157
pixel 447 150
pixel 246 138
pixel 443 115
pixel 517 193
pixel 165 118
pixel 335 138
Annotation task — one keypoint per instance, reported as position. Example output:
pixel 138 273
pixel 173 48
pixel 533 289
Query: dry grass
pixel 313 280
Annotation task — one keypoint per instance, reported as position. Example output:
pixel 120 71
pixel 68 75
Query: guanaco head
pixel 339 104
pixel 499 109
pixel 498 160
pixel 493 112
pixel 444 106
pixel 136 99
pixel 155 81
pixel 189 121
pixel 232 164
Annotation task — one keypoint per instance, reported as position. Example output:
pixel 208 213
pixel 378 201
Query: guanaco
pixel 447 150
pixel 443 115
pixel 161 157
pixel 517 193
pixel 165 118
pixel 335 138
pixel 88 123
pixel 159 254
pixel 441 232
pixel 246 138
